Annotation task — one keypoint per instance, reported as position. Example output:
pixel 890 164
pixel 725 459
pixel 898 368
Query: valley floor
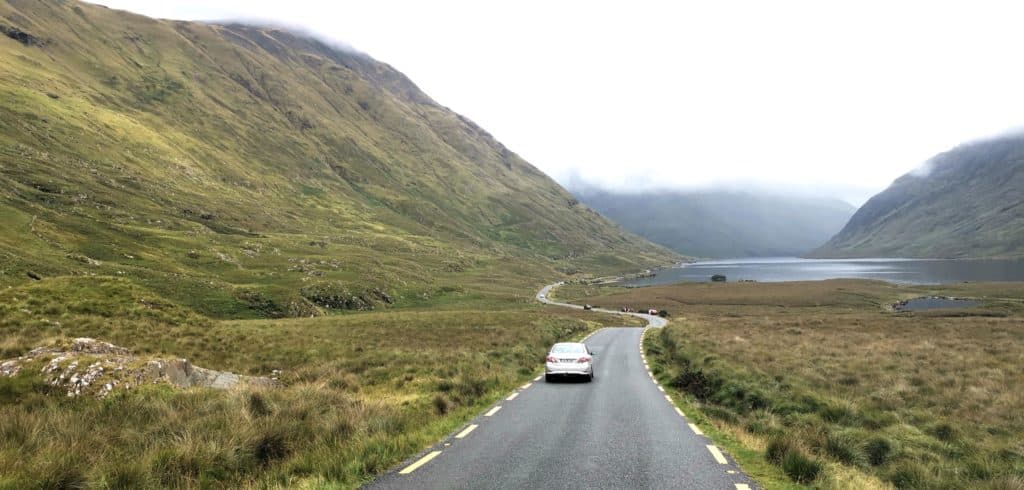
pixel 829 385
pixel 360 391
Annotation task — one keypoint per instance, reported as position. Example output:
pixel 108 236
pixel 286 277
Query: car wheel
pixel 590 377
pixel 548 378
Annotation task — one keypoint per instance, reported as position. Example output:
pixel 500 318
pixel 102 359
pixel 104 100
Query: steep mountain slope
pixel 247 169
pixel 724 224
pixel 967 202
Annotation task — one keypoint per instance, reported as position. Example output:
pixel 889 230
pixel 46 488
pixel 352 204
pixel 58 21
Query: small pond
pixel 934 303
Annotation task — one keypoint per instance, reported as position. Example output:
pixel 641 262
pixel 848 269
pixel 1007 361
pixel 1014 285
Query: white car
pixel 569 359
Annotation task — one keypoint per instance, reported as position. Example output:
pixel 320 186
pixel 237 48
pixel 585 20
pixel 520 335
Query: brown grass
pixel 361 391
pixel 826 365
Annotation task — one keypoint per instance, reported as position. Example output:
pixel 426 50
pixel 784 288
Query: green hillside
pixel 724 223
pixel 965 203
pixel 247 171
pixel 186 190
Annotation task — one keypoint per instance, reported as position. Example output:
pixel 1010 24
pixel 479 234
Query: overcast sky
pixel 814 97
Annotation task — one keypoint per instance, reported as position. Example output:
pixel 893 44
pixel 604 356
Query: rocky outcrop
pixel 21 36
pixel 337 295
pixel 85 366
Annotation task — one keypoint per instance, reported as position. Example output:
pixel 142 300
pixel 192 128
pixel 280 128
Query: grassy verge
pixel 361 392
pixel 831 390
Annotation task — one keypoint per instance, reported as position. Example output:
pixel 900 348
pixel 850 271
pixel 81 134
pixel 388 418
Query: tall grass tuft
pixel 800 468
pixel 878 450
pixel 846 447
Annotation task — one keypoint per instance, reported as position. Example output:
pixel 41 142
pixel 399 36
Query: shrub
pixel 695 382
pixel 441 404
pixel 469 389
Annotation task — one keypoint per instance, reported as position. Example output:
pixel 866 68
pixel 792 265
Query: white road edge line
pixel 492 411
pixel 512 396
pixel 538 378
pixel 424 460
pixel 527 385
pixel 466 432
pixel 669 398
pixel 715 453
pixel 742 486
pixel 661 389
pixel 680 412
pixel 696 430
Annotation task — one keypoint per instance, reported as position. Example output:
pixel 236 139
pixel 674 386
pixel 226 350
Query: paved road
pixel 544 297
pixel 618 432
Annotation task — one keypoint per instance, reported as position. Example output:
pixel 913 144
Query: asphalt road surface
pixel 618 432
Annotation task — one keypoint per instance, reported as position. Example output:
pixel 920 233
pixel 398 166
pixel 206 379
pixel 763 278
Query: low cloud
pixel 579 182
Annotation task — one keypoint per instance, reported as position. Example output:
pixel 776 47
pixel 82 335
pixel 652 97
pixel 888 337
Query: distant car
pixel 588 307
pixel 542 296
pixel 569 359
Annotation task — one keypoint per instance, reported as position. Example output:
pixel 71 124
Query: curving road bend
pixel 618 432
pixel 544 297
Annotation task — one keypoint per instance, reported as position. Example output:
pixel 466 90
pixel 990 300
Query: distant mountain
pixel 239 167
pixel 723 224
pixel 967 202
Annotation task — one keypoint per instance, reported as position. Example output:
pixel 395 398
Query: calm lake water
pixel 906 271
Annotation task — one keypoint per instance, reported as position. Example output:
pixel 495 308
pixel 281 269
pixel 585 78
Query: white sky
pixel 813 97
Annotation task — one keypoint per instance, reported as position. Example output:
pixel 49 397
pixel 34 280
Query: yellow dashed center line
pixel 492 411
pixel 715 453
pixel 696 430
pixel 512 396
pixel 466 432
pixel 424 460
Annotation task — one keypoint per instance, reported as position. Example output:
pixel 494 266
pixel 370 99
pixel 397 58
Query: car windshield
pixel 567 349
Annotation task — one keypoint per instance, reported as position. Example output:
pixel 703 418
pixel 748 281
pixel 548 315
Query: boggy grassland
pixel 359 392
pixel 820 380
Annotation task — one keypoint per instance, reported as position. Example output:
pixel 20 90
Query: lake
pixel 903 271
